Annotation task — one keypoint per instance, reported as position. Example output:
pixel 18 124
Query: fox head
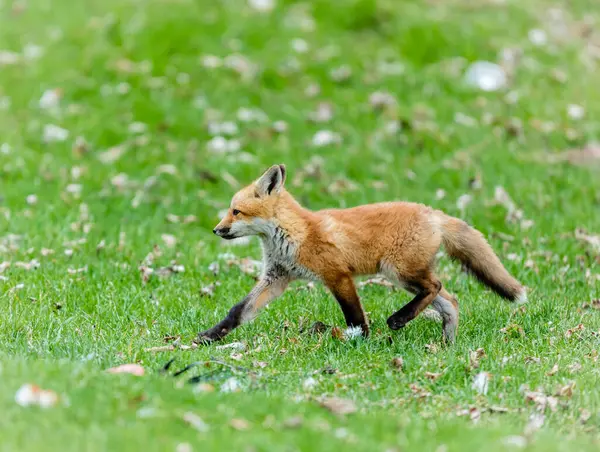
pixel 253 208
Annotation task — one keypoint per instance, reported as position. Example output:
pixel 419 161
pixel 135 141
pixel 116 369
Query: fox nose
pixel 221 231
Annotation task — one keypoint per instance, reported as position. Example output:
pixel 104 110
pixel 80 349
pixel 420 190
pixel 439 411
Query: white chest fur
pixel 280 257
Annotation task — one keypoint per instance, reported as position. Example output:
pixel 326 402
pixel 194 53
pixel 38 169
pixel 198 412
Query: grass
pixel 86 308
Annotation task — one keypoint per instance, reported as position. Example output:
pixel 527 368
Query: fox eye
pixel 235 212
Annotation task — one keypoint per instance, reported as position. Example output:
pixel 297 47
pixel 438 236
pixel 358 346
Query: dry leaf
pixel 592 240
pixel 481 382
pixel 536 421
pixel 309 383
pixel 586 156
pixel 204 387
pixel 376 281
pixel 231 385
pixel 433 375
pixel 339 406
pixel 519 442
pixel 475 356
pixel 398 363
pixel 584 416
pixel 566 390
pixel 133 369
pixel 553 371
pixel 337 333
pixel 594 304
pixel 293 422
pixel 237 346
pixel 239 424
pixel 195 421
pixel 30 394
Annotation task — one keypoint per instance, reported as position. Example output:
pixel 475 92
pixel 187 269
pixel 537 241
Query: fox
pixel 399 240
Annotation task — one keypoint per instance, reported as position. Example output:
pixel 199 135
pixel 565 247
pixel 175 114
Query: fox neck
pixel 290 221
pixel 287 232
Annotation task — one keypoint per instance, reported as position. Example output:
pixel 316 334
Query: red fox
pixel 398 239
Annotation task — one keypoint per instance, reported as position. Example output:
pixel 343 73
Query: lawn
pixel 126 127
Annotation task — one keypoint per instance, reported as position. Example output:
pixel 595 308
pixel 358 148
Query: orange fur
pixel 398 239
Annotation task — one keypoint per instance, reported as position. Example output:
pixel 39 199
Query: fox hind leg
pixel 426 290
pixel 447 306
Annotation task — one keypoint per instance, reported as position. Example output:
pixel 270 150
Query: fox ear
pixel 271 181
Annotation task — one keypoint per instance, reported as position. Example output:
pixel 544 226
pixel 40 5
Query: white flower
pixel 352 332
pixel 299 45
pixel 326 138
pixel 50 99
pixel 575 111
pixel 537 37
pixel 263 6
pixel 137 127
pixel 211 61
pixel 309 383
pixel 463 201
pixel 231 385
pixel 32 52
pixel 54 133
pixel 486 76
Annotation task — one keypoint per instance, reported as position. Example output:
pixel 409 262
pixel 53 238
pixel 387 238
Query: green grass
pixel 61 329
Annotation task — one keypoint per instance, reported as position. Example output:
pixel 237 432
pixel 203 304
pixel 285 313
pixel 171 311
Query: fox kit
pixel 397 239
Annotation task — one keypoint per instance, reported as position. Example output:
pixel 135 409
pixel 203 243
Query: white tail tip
pixel 522 298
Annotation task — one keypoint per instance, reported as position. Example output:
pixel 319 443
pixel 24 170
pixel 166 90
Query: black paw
pixel 203 339
pixel 395 323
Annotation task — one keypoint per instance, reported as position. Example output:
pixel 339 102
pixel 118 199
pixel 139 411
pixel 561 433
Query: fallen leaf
pixel 339 406
pixel 377 281
pixel 536 422
pixel 112 155
pixel 432 348
pixel 398 363
pixel 541 400
pixel 553 371
pixel 481 382
pixel 204 387
pixel 520 442
pixel 433 375
pixel 316 328
pixel 169 240
pixel 569 333
pixel 566 390
pixel 584 416
pixel 594 304
pixel 231 385
pixel 29 394
pixel 133 369
pixel 418 391
pixel 239 424
pixel 586 156
pixel 309 383
pixel 475 356
pixel 237 346
pixel 336 333
pixel 184 447
pixel 293 422
pixel 195 421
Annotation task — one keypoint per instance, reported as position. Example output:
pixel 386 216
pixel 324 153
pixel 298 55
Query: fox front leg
pixel 265 291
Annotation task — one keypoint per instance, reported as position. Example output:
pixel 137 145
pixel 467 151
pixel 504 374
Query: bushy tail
pixel 468 245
